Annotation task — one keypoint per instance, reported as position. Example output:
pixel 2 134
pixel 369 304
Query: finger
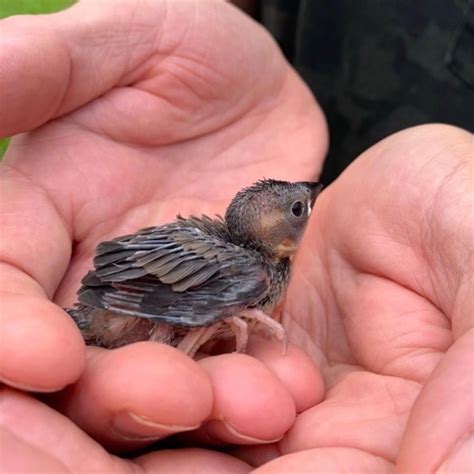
pixel 295 369
pixel 66 59
pixel 72 57
pixel 137 394
pixel 251 405
pixel 34 437
pixel 35 238
pixel 20 456
pixel 37 336
pixel 328 460
pixel 439 436
pixel 397 297
pixel 191 461
pixel 51 439
pixel 41 350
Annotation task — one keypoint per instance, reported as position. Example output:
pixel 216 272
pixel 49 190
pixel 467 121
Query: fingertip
pixel 41 348
pixel 139 393
pixel 295 369
pixel 189 387
pixel 251 405
pixel 155 368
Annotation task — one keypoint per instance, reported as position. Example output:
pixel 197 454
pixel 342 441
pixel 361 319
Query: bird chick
pixel 199 278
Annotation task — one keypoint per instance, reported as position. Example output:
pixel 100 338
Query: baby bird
pixel 197 279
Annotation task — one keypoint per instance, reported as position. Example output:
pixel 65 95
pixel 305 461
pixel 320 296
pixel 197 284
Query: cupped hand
pixel 142 110
pixel 132 112
pixel 137 111
pixel 382 300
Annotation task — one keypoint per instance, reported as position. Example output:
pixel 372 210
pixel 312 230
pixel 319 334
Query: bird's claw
pixel 276 329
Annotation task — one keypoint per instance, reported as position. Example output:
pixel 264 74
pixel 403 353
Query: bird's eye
pixel 297 208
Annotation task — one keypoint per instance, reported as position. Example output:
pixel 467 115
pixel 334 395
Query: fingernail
pixel 29 388
pixel 130 426
pixel 221 430
pixel 461 457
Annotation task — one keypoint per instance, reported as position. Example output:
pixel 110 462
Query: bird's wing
pixel 175 274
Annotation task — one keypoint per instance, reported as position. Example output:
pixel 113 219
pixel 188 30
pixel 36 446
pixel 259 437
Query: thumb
pixel 439 431
pixel 53 64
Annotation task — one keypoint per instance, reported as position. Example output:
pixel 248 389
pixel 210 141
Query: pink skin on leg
pixel 240 329
pixel 276 329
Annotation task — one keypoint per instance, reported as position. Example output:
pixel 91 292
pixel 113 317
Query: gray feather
pixel 185 273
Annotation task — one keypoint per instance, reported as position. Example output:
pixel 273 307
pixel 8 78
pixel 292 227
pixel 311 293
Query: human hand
pixel 329 423
pixel 134 112
pixel 383 303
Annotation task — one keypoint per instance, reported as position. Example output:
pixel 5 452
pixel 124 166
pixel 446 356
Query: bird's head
pixel 270 216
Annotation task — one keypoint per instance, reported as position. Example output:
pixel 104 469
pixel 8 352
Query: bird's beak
pixel 315 189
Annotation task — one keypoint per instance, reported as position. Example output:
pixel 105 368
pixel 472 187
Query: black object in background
pixel 378 66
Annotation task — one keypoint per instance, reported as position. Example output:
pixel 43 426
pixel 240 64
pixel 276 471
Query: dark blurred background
pixel 377 66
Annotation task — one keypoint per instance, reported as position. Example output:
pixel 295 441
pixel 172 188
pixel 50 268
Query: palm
pixel 179 130
pixel 369 301
pixel 141 185
pixel 131 165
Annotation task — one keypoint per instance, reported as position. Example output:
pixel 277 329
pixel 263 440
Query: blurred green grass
pixel 18 7
pixel 21 7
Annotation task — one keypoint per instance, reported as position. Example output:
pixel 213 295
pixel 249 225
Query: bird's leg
pixel 195 338
pixel 240 329
pixel 276 329
pixel 207 335
pixel 190 342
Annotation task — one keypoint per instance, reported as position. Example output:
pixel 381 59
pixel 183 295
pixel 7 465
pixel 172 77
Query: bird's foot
pixel 196 338
pixel 240 329
pixel 276 329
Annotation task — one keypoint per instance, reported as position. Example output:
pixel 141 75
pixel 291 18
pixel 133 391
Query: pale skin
pixel 135 111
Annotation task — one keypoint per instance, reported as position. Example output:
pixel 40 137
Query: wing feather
pixel 186 273
pixel 195 279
